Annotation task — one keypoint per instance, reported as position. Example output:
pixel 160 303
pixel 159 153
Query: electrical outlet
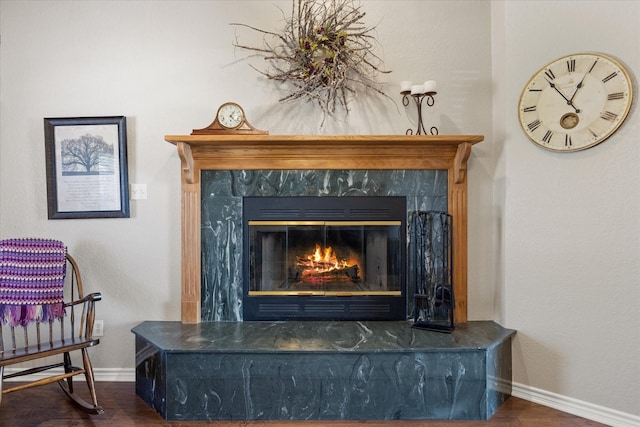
pixel 98 328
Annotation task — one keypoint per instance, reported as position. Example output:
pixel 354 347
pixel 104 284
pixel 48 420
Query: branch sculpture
pixel 325 53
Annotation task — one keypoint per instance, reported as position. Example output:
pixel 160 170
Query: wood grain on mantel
pixel 309 152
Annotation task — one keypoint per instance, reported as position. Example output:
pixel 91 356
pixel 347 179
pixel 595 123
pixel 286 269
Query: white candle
pixel 430 86
pixel 417 89
pixel 405 86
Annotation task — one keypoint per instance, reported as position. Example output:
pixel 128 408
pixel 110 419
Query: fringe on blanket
pixel 22 315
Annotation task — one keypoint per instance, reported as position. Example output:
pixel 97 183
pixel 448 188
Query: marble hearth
pixel 322 370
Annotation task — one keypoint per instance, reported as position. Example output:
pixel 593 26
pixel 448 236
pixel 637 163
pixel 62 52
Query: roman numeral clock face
pixel 575 102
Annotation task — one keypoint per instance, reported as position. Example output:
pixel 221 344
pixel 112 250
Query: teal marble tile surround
pixel 221 216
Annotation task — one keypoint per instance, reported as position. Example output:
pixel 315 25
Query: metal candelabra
pixel 419 98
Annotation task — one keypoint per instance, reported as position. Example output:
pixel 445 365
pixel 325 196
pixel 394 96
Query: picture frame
pixel 86 166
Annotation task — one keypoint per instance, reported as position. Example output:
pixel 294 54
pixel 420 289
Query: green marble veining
pixel 322 370
pixel 221 221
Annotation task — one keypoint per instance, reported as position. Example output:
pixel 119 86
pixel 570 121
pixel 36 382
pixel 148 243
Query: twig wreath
pixel 324 52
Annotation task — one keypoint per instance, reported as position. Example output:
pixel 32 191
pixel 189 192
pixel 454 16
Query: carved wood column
pixel 190 245
pixel 458 208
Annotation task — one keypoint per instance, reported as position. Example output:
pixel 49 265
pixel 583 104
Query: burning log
pixel 310 263
pixel 351 272
pixel 335 275
pixel 325 264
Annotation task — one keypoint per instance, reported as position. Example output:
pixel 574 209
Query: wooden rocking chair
pixel 68 330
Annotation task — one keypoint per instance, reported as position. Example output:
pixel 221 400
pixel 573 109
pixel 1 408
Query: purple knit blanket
pixel 32 275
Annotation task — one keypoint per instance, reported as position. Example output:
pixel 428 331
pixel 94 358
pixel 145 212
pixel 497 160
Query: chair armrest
pixel 95 296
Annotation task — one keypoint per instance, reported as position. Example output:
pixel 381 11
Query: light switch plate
pixel 138 191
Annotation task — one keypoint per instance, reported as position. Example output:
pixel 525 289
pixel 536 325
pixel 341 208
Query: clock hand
pixel 578 88
pixel 562 95
pixel 583 77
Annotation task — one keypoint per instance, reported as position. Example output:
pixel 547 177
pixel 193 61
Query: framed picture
pixel 87 167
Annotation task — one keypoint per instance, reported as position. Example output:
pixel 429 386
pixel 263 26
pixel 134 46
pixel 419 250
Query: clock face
pixel 230 115
pixel 575 102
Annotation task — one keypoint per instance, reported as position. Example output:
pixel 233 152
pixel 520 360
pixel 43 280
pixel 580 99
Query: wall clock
pixel 575 102
pixel 230 119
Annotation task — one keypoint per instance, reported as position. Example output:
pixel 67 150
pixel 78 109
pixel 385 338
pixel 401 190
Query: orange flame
pixel 323 260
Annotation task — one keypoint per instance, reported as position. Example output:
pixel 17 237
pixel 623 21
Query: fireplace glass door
pixel 325 258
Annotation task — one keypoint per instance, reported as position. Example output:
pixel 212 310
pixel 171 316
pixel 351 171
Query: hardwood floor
pixel 49 406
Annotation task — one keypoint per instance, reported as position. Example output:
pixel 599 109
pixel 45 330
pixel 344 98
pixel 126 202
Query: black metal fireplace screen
pixel 431 277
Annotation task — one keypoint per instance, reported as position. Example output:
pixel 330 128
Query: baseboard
pixel 100 374
pixel 576 407
pixel 115 375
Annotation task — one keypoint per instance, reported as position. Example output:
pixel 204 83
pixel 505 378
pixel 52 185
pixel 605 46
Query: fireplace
pixel 398 154
pixel 324 258
pixel 322 370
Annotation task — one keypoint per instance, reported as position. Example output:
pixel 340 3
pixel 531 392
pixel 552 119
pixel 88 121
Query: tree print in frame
pixel 87 167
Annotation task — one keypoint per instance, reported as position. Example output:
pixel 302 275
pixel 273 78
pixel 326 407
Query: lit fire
pixel 322 260
pixel 324 265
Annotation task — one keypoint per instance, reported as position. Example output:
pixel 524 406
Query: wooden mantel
pixel 310 152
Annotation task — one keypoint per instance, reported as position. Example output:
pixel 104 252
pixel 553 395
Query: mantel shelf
pixel 310 152
pixel 235 152
pixel 325 139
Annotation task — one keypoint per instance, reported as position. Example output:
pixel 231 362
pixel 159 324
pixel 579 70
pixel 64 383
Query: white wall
pixel 167 65
pixel 569 222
